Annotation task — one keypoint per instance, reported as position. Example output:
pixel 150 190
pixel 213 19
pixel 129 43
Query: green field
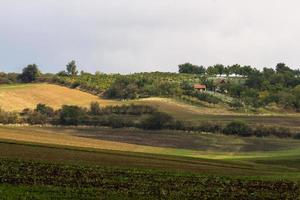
pixel 35 171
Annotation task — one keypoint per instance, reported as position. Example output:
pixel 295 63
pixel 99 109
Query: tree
pixel 44 110
pixel 211 70
pixel 30 73
pixel 246 70
pixel 95 108
pixel 219 68
pixel 234 69
pixel 71 115
pixel 72 68
pixel 238 128
pixel 235 90
pixel 62 73
pixel 189 68
pixel 157 121
pixel 123 88
pixel 281 68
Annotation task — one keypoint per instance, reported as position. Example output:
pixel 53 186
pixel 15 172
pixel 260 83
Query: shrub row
pixel 119 116
pixel 238 128
pixel 95 109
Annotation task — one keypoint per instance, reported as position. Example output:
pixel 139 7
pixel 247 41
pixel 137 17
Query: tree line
pixel 137 116
pixel 236 69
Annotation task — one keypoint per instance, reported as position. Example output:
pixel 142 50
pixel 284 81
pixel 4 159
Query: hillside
pixel 20 96
pixel 67 161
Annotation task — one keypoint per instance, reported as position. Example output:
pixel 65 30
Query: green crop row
pixel 92 182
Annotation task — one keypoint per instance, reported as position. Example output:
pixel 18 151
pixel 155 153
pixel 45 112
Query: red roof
pixel 199 86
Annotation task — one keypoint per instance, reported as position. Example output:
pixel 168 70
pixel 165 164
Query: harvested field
pixel 18 97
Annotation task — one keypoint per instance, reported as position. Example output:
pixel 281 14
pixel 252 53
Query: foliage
pixel 72 68
pixel 297 136
pixel 263 131
pixel 29 74
pixel 207 97
pixel 238 128
pixel 71 115
pixel 8 78
pixel 157 121
pixel 236 104
pixel 44 110
pixel 9 117
pixel 189 68
pixel 95 108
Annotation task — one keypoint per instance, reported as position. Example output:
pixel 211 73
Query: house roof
pixel 199 86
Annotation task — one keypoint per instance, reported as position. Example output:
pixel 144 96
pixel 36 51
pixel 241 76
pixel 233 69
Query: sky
pixel 147 35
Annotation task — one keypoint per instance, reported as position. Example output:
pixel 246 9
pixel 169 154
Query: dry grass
pixel 50 136
pixel 183 110
pixel 18 97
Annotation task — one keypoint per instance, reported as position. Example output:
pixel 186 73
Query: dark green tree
pixel 30 73
pixel 44 110
pixel 72 68
pixel 189 68
pixel 220 69
pixel 281 68
pixel 238 128
pixel 71 115
pixel 157 121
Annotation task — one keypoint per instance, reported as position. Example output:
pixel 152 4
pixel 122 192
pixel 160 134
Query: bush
pixel 71 115
pixel 157 121
pixel 95 108
pixel 121 110
pixel 45 110
pixel 119 122
pixel 75 85
pixel 37 118
pixel 282 132
pixel 236 104
pixel 238 128
pixel 208 98
pixel 297 136
pixel 210 127
pixel 9 117
pixel 263 131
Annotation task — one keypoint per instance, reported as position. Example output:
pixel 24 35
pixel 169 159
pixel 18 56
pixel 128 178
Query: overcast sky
pixel 147 35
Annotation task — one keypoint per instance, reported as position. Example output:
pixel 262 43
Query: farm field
pixel 198 114
pixel 33 169
pixel 212 146
pixel 57 162
pixel 47 180
pixel 205 146
pixel 20 96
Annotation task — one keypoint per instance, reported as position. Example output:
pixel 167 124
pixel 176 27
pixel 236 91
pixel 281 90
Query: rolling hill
pixel 20 96
pixel 50 159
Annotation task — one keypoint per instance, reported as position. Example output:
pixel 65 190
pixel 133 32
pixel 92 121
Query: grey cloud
pixel 146 35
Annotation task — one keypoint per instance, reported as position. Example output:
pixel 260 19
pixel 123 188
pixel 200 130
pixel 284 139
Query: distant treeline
pixel 235 69
pixel 137 116
pixel 251 89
